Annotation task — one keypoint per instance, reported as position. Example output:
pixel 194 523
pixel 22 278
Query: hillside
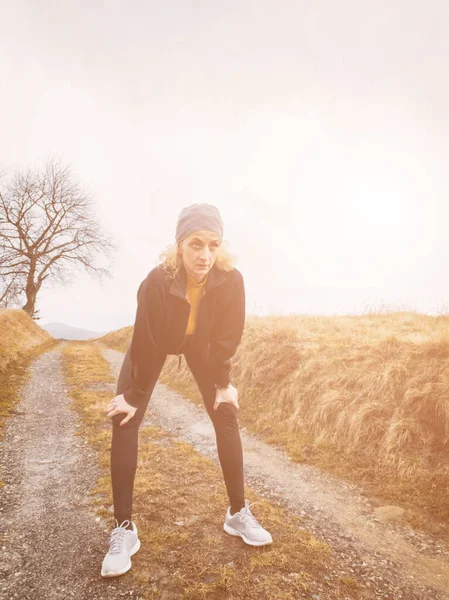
pixel 18 334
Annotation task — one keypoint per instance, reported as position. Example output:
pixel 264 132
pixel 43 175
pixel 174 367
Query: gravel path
pixel 393 560
pixel 51 544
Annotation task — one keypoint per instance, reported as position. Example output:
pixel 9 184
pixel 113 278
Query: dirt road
pixel 388 556
pixel 52 545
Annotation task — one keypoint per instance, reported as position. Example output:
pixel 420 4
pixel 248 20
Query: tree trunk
pixel 31 292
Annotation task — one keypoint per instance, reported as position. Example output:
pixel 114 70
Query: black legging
pixel 124 446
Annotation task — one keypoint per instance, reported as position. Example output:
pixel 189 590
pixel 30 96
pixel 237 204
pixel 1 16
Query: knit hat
pixel 198 216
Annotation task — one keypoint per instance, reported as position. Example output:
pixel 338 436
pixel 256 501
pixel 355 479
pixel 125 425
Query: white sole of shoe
pixel 232 531
pixel 127 567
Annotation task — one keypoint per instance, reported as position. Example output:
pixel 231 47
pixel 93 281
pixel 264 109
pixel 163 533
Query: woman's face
pixel 199 252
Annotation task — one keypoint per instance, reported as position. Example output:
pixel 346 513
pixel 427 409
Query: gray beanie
pixel 198 216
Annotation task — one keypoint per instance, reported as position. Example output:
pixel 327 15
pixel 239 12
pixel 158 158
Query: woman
pixel 193 303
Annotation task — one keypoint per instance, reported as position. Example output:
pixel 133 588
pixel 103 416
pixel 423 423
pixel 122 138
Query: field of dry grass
pixel 179 502
pixel 365 397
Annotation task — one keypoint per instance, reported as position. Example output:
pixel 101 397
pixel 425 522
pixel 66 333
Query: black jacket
pixel 162 317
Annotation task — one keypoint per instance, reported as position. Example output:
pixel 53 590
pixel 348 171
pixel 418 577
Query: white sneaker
pixel 122 545
pixel 245 525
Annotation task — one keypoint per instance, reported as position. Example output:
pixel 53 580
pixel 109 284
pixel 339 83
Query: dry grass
pixel 179 504
pixel 119 340
pixel 18 334
pixel 366 397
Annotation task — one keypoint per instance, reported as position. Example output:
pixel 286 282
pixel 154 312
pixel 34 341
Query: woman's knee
pixel 225 414
pixel 133 423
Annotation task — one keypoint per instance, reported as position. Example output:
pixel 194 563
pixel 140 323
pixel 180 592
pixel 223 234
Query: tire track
pixel 52 546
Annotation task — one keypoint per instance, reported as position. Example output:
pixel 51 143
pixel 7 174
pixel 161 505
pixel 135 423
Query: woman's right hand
pixel 118 405
pixel 230 395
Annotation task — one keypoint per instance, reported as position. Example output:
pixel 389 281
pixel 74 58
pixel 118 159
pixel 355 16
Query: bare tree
pixel 47 227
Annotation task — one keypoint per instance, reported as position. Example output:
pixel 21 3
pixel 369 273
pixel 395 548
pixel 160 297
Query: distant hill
pixel 67 332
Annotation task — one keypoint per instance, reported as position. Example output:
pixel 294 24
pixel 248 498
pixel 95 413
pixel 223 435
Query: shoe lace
pixel 118 537
pixel 247 514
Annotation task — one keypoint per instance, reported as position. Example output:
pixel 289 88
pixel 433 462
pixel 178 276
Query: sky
pixel 319 129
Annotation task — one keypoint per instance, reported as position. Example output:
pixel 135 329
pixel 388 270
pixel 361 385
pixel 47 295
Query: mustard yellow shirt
pixel 194 292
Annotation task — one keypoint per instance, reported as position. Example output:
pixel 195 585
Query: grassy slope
pixel 365 397
pixel 18 334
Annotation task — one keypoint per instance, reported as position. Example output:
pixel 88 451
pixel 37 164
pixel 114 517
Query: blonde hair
pixel 172 259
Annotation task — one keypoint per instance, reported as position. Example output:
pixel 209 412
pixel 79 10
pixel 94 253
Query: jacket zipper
pixel 179 354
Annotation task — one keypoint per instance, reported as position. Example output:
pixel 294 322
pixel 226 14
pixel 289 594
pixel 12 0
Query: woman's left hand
pixel 230 395
pixel 118 405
